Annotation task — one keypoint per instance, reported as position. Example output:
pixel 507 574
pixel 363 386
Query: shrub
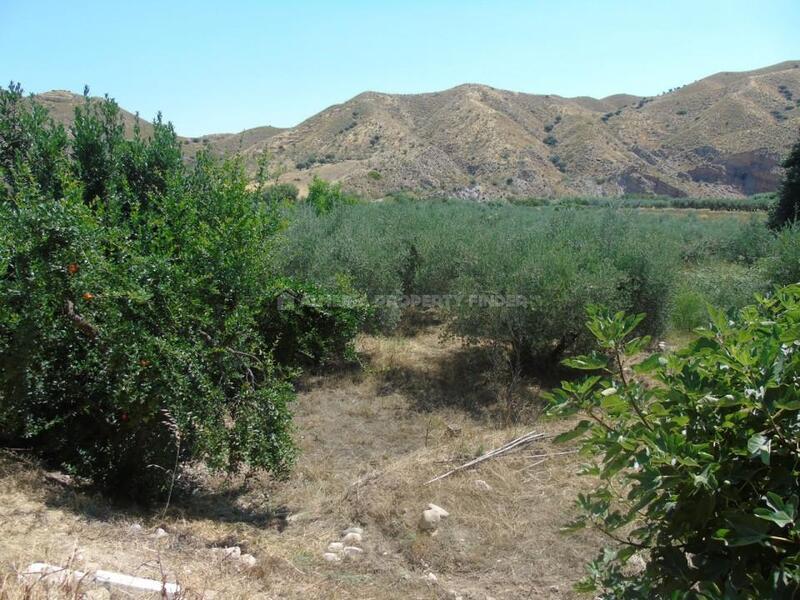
pixel 374 175
pixel 311 325
pixel 325 196
pixel 571 260
pixel 689 310
pixel 782 265
pixel 280 193
pixel 135 324
pixel 697 473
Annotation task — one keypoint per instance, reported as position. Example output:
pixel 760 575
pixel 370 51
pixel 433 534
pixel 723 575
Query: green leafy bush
pixel 136 293
pixel 698 472
pixel 325 196
pixel 311 325
pixel 782 264
pixel 280 193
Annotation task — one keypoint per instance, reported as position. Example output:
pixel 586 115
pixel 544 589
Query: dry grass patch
pixel 367 448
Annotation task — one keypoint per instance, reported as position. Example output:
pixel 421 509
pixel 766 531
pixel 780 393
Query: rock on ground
pixel 429 520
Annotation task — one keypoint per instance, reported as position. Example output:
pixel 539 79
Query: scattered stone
pixel 335 547
pixel 430 577
pixel 430 520
pixel 352 538
pixel 352 551
pixel 248 561
pixel 331 557
pixel 349 530
pixel 135 528
pixel 442 512
pixel 160 533
pixel 482 485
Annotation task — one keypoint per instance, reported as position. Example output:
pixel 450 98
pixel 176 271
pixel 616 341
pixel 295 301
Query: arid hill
pixel 724 135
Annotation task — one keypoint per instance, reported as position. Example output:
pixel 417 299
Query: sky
pixel 213 66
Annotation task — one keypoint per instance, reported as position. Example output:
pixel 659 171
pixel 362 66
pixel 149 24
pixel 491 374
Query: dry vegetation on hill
pixel 721 136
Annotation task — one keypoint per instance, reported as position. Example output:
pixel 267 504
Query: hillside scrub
pixel 138 305
pixel 698 474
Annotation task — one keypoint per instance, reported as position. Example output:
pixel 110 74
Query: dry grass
pixel 373 428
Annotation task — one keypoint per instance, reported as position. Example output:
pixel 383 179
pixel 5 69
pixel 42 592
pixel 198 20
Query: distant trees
pixel 787 208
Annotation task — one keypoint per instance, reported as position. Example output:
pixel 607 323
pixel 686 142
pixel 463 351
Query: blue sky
pixel 214 66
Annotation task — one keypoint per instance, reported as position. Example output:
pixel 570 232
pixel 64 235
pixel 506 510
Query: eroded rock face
pixel 748 173
pixel 633 182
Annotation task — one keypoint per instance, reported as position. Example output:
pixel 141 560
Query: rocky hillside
pixel 721 136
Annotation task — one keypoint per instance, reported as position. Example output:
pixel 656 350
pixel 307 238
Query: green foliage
pixel 32 146
pixel 555 271
pixel 782 265
pixel 137 329
pixel 785 211
pixel 311 325
pixel 280 193
pixel 460 256
pixel 325 196
pixel 698 474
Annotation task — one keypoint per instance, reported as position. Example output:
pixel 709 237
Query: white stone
pixel 352 538
pixel 335 547
pixel 331 557
pixel 442 512
pixel 352 551
pixel 135 528
pixel 357 530
pixel 482 485
pixel 248 561
pixel 160 533
pixel 430 577
pixel 429 520
pixel 127 583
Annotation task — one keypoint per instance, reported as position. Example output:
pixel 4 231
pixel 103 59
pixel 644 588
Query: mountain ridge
pixel 723 135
